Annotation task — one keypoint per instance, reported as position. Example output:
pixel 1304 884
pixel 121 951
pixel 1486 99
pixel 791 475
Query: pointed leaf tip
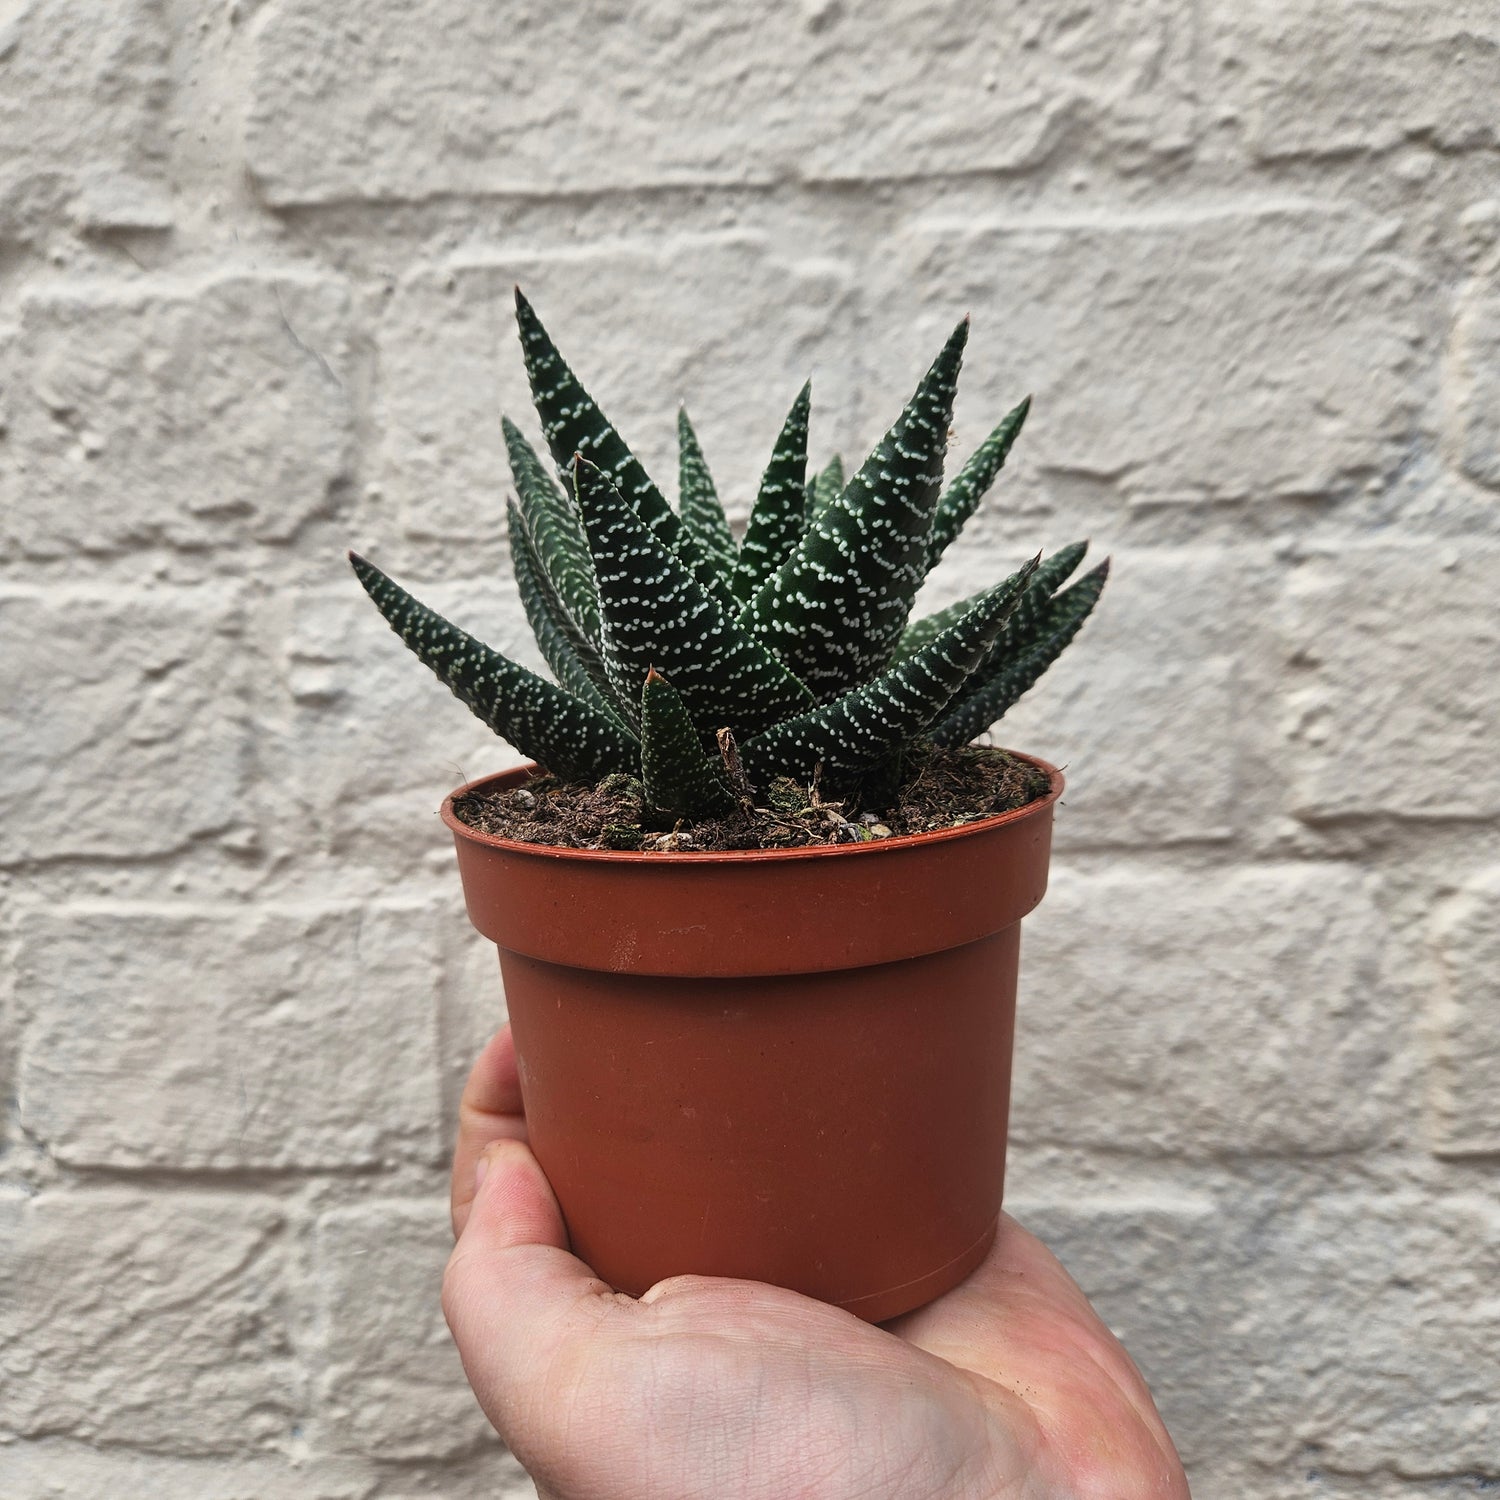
pixel 777 517
pixel 866 726
pixel 961 498
pixel 678 777
pixel 709 543
pixel 542 720
pixel 1021 656
pixel 836 605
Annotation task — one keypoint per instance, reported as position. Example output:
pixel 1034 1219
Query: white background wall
pixel 254 267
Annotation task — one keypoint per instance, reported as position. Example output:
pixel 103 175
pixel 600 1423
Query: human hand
pixel 1007 1388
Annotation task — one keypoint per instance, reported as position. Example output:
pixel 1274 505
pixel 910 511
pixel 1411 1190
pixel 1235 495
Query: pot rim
pixel 463 830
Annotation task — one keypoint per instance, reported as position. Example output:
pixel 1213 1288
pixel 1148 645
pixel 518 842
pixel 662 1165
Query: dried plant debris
pixel 937 788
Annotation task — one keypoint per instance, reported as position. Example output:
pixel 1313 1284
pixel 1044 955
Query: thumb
pixel 514 1298
pixel 513 1204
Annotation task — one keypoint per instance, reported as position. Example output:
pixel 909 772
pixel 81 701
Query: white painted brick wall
pixel 254 264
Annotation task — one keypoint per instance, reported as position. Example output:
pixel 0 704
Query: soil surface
pixel 939 789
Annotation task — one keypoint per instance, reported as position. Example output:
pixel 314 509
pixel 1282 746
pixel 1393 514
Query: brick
pixel 1464 1087
pixel 47 1470
pixel 1284 1322
pixel 472 1007
pixel 124 730
pixel 1143 708
pixel 217 1038
pixel 496 1477
pixel 1203 1014
pixel 360 739
pixel 1179 356
pixel 153 1321
pixel 1391 709
pixel 1471 386
pixel 171 415
pixel 1316 81
pixel 646 326
pixel 10 1025
pixel 83 114
pixel 1153 1266
pixel 1301 1478
pixel 393 1386
pixel 410 100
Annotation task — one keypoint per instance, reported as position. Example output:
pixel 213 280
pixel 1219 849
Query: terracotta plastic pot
pixel 786 1065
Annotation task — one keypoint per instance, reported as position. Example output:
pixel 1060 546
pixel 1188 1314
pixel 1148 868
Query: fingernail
pixel 480 1168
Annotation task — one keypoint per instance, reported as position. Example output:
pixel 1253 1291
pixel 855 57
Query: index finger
pixel 489 1111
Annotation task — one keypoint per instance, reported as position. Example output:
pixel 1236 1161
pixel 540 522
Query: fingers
pixel 513 1205
pixel 489 1111
pixel 515 1299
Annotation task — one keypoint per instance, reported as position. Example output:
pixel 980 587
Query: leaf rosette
pixel 662 631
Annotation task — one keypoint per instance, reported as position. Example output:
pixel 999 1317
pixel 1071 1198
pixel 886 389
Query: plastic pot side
pixel 785 1065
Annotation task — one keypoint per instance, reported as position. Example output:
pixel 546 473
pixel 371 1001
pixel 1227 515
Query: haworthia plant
pixel 662 632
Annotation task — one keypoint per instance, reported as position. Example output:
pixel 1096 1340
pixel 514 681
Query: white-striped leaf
pixel 823 487
pixel 573 423
pixel 553 525
pixel 862 729
pixel 961 499
pixel 1020 627
pixel 678 777
pixel 985 700
pixel 573 660
pixel 698 503
pixel 540 719
pixel 777 518
pixel 835 609
pixel 656 614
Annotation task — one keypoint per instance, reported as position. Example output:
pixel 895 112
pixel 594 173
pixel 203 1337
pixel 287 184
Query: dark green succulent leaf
pixel 835 609
pixel 556 532
pixel 572 657
pixel 1032 617
pixel 777 518
pixel 680 779
pixel 542 720
pixel 961 498
pixel 919 632
pixel 868 725
pixel 1053 572
pixel 657 614
pixel 572 423
pixel 702 515
pixel 984 702
pixel 823 487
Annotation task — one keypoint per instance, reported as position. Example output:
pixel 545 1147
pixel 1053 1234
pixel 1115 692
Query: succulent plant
pixel 662 632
